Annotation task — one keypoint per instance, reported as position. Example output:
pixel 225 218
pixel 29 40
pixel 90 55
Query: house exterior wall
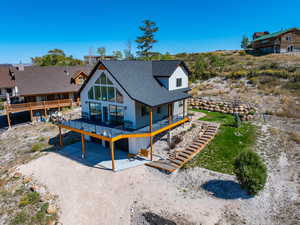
pixel 179 73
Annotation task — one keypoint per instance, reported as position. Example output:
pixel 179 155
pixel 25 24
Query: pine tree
pixel 146 41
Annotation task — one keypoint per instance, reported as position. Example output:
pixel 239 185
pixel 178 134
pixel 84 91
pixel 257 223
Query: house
pixel 93 59
pixel 7 85
pixel 38 89
pixel 284 41
pixel 35 83
pixel 128 103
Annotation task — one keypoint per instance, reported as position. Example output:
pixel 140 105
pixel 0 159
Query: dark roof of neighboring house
pixel 5 78
pixel 138 80
pixel 275 34
pixel 34 80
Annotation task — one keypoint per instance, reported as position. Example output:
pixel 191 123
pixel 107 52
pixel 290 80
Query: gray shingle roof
pixel 164 67
pixel 138 81
pixel 35 80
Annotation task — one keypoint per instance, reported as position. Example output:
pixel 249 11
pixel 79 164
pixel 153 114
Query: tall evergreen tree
pixel 245 42
pixel 146 41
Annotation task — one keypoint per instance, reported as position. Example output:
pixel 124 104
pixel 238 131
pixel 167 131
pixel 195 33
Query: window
pixel 97 93
pixel 119 97
pixel 109 82
pixel 178 82
pixel 91 93
pixel 103 79
pixel 104 90
pixel 116 114
pixel 104 93
pixel 144 110
pixel 111 94
pixel 95 111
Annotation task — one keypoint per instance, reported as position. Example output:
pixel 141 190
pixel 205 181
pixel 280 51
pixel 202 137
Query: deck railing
pixel 10 108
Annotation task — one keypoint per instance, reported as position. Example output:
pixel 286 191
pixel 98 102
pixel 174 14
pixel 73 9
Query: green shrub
pixel 250 171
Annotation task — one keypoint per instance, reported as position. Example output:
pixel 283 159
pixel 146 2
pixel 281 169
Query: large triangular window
pixel 103 79
pixel 109 82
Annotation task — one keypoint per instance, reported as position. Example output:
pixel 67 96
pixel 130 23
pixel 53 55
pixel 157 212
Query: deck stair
pixel 176 161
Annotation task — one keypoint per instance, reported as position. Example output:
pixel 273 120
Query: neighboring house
pixel 35 83
pixel 7 85
pixel 93 59
pixel 284 41
pixel 133 95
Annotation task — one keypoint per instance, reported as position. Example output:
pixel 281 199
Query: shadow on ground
pixel 225 189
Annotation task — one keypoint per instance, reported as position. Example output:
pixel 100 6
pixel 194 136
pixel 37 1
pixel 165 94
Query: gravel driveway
pixel 94 196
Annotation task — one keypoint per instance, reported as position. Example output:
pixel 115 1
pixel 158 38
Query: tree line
pixel 144 45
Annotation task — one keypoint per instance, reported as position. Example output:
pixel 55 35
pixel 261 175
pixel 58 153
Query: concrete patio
pixel 100 157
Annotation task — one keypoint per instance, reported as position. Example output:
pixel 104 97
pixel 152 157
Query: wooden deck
pixel 31 106
pixel 183 156
pixel 11 108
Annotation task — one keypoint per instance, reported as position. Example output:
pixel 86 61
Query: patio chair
pixel 142 153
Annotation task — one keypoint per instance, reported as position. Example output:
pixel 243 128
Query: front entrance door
pixel 105 114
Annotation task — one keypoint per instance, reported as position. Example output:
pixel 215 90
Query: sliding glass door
pixel 95 111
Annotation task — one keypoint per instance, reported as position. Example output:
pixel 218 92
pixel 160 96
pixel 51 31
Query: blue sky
pixel 32 27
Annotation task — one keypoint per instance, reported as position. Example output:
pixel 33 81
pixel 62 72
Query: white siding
pixel 180 72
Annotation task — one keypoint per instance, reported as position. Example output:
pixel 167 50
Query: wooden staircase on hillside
pixel 181 157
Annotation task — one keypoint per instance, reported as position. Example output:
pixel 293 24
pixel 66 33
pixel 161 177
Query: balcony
pixel 113 133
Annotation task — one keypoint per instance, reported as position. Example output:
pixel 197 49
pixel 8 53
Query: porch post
pixel 151 138
pixel 45 109
pixel 31 116
pixel 169 118
pixel 60 137
pixel 112 146
pixel 8 119
pixel 183 108
pixel 82 147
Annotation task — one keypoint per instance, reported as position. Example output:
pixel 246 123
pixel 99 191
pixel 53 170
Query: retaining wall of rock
pixel 244 110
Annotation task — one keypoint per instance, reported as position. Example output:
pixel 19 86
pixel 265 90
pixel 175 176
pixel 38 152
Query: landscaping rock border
pixel 244 110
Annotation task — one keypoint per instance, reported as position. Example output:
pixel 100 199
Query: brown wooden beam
pixel 8 119
pixel 82 147
pixel 60 137
pixel 112 149
pixel 151 138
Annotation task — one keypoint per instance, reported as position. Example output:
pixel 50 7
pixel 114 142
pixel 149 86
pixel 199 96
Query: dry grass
pixel 295 136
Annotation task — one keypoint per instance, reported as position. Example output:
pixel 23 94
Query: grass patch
pixel 38 147
pixel 30 199
pixel 220 154
pixel 20 218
